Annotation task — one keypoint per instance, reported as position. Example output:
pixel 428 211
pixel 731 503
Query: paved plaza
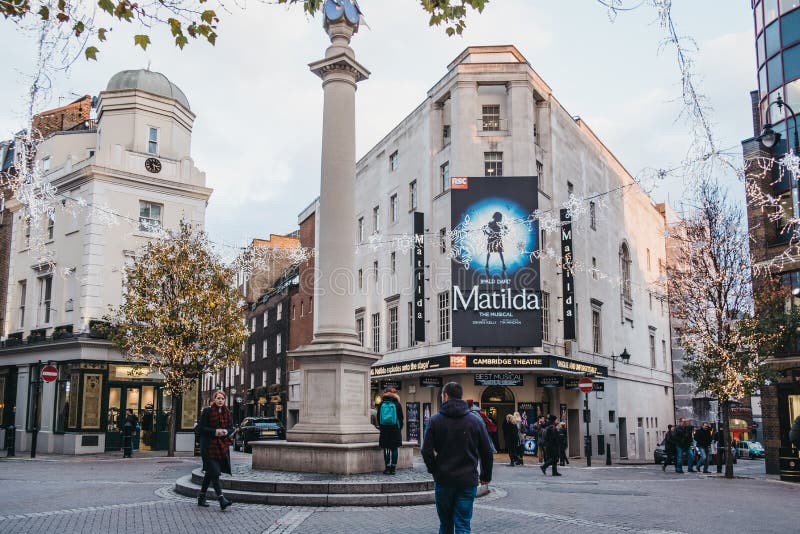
pixel 108 494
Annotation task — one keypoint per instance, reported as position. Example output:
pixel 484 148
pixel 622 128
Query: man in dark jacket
pixel 455 443
pixel 669 447
pixel 702 437
pixel 550 446
pixel 683 443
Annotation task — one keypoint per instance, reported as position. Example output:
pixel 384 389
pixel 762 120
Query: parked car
pixel 257 429
pixel 750 449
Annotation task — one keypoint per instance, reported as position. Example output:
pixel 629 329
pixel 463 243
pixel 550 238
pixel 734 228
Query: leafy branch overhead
pixel 185 19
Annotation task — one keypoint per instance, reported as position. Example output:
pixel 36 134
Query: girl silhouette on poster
pixel 495 230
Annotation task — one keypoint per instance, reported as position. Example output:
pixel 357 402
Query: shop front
pixel 533 385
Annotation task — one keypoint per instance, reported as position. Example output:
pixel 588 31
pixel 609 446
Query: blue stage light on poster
pixel 495 268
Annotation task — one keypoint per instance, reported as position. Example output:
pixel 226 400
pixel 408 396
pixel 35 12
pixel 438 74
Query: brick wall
pixel 63 118
pixel 301 330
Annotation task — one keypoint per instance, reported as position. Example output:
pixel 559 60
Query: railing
pixel 90 124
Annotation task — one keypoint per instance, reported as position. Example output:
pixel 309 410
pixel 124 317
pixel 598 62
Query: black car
pixel 257 429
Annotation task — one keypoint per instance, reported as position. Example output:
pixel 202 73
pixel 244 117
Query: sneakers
pixel 392 469
pixel 387 471
pixel 224 502
pixel 201 500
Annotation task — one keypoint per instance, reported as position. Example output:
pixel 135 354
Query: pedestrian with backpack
pixel 390 417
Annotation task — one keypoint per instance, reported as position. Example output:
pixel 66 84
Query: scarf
pixel 219 418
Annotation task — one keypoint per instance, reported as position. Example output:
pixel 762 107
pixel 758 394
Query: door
pixel 574 433
pixel 623 437
pixel 113 430
pixel 498 402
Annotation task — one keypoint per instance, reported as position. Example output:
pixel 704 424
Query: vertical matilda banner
pixel 419 276
pixel 494 267
pixel 567 280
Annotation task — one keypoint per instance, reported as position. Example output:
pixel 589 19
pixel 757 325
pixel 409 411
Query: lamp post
pixel 768 136
pixel 624 356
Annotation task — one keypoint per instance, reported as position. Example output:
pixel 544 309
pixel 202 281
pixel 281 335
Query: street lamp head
pixel 625 356
pixel 769 136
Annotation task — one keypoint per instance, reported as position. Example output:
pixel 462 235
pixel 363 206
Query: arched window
pixel 625 272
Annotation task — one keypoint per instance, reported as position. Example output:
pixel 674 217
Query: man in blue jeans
pixel 683 443
pixel 455 443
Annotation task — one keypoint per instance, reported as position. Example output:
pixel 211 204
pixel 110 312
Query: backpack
pixel 388 414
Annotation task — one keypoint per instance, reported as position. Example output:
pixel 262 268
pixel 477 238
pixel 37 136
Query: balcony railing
pixel 90 124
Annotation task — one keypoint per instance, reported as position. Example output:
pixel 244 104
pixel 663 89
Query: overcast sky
pixel 257 131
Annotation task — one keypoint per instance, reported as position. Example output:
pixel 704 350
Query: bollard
pixel 11 436
pixel 608 454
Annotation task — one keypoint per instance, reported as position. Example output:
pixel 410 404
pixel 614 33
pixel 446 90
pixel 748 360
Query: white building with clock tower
pixel 119 178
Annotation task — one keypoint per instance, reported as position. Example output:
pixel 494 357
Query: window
pixel 597 333
pixel 647 258
pixel 376 332
pixel 410 324
pixel 63 387
pixel 393 328
pixel 545 316
pixel 443 240
pixel 302 309
pixel 412 195
pixel 393 207
pixel 149 216
pixel 360 330
pixel 543 240
pixel 252 380
pixel 375 270
pixel 360 279
pixel 263 378
pixel 45 294
pixel 27 241
pixel 264 350
pixel 444 176
pixel 23 286
pixel 594 268
pixel 612 415
pixel 266 318
pixel 592 216
pixel 540 174
pixel 394 160
pixel 152 141
pixel 279 311
pixel 360 234
pixel 570 188
pixel 491 118
pixel 444 315
pixel 393 262
pixel 652 347
pixel 664 353
pixel 278 344
pixel 625 272
pixel 252 353
pixel 252 325
pixel 376 219
pixel 493 163
pixel 445 135
pixel 277 375
pixel 45 163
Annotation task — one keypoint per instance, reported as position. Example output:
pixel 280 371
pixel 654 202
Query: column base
pixel 337 458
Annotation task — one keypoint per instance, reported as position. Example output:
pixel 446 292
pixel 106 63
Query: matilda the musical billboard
pixel 494 269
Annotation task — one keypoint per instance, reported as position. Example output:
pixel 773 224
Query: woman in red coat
pixel 215 429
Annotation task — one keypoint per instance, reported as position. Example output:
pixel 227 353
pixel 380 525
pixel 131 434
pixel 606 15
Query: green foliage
pixel 188 18
pixel 182 314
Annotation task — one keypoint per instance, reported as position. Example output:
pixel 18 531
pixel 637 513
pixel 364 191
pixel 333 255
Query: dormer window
pixel 152 141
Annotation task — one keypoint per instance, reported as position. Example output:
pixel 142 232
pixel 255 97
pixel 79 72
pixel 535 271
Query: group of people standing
pixel 679 440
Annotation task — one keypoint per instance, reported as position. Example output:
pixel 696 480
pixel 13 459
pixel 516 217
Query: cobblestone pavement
pixel 104 493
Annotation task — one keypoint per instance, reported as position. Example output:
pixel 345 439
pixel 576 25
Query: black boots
pixel 390 470
pixel 224 502
pixel 201 499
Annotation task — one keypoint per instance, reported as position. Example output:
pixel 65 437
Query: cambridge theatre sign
pixel 480 361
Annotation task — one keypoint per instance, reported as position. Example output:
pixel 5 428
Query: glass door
pixel 147 440
pixel 113 422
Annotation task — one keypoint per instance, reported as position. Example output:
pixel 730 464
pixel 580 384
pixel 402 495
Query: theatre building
pixel 119 177
pixel 503 246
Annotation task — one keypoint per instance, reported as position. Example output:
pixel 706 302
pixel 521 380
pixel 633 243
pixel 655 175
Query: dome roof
pixel 148 81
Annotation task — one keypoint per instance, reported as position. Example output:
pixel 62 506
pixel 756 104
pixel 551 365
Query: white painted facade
pixel 536 136
pixel 103 170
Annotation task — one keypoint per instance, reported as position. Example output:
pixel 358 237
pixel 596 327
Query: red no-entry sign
pixel 585 384
pixel 49 373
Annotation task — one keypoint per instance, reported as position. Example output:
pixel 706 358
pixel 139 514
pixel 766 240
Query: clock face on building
pixel 152 165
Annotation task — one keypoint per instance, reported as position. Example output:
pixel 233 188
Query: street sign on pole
pixel 49 373
pixel 585 384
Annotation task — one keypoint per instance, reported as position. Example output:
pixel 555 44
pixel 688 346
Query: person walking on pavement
pixel 475 410
pixel 454 445
pixel 538 429
pixel 390 416
pixel 562 444
pixel 719 438
pixel 702 437
pixel 550 445
pixel 128 430
pixel 215 429
pixel 669 447
pixel 683 443
pixel 520 438
pixel 511 438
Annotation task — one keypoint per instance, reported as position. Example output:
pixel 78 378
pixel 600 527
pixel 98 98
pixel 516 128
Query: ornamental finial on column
pixel 336 10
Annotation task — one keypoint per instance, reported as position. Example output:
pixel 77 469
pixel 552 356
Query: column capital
pixel 339 63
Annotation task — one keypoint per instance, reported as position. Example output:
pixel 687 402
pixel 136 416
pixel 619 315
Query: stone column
pixel 335 367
